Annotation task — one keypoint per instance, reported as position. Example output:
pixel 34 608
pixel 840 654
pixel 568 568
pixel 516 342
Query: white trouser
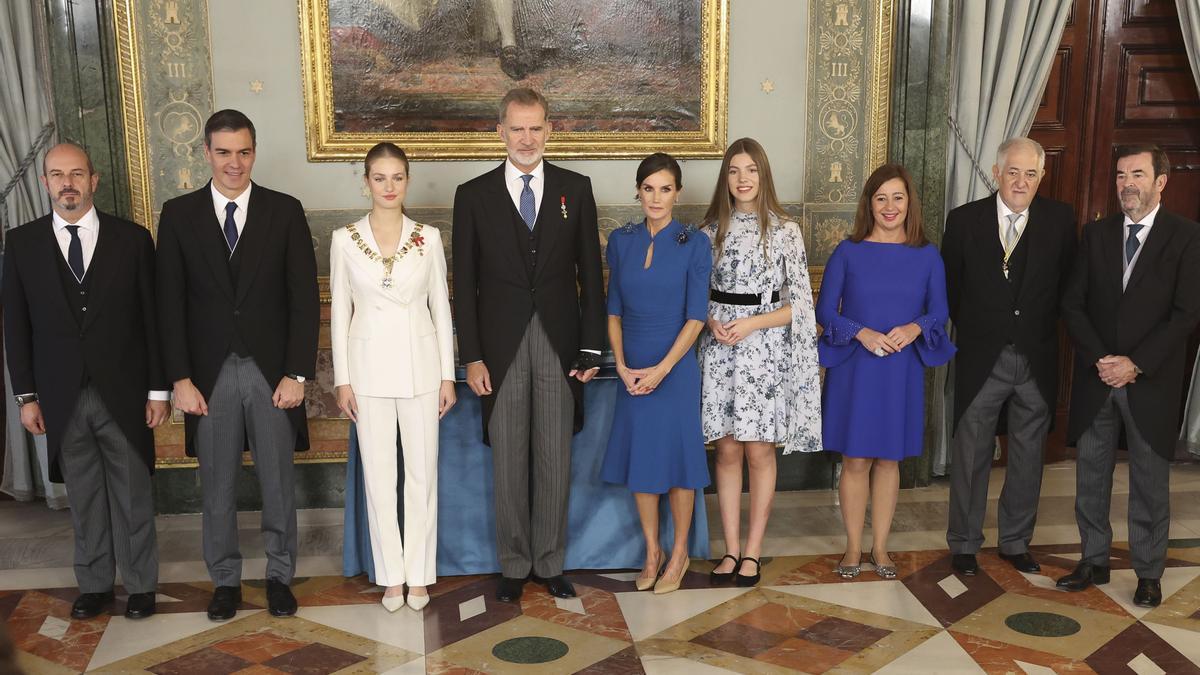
pixel 417 417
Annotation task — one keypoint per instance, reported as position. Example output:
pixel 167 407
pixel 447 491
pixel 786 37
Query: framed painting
pixel 624 78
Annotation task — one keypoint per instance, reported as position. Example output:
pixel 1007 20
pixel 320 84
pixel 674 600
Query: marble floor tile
pixel 939 654
pixel 647 614
pixel 889 598
pixel 528 645
pixel 1123 583
pixel 125 638
pixel 403 628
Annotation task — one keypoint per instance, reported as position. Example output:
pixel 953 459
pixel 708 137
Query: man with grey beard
pixel 1131 303
pixel 82 346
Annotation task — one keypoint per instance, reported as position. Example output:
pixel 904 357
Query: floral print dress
pixel 766 387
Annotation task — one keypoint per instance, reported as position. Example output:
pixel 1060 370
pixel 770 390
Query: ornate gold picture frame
pixel 625 78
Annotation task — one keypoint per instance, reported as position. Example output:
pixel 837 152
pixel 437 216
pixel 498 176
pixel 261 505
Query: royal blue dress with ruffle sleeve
pixel 874 406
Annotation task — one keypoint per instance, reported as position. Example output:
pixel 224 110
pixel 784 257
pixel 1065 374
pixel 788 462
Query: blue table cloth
pixel 602 532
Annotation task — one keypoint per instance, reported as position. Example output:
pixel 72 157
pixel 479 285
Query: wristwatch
pixel 25 399
pixel 298 378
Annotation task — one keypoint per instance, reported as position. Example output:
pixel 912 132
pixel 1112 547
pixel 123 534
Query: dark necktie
pixel 1132 243
pixel 528 212
pixel 231 233
pixel 75 253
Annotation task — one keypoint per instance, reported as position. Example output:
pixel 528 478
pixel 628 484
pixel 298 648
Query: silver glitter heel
pixel 884 571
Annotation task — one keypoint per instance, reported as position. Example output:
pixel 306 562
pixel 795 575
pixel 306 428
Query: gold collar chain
pixel 415 239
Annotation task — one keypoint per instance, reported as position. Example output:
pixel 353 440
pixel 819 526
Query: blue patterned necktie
pixel 1132 243
pixel 231 233
pixel 75 253
pixel 528 212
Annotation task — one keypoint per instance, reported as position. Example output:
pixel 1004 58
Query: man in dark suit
pixel 239 312
pixel 1131 302
pixel 528 299
pixel 1007 260
pixel 82 346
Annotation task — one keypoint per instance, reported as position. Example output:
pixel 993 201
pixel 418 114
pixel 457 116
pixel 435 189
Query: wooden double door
pixel 1121 75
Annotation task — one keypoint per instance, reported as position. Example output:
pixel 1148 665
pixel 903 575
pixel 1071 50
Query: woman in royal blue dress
pixel 657 305
pixel 883 310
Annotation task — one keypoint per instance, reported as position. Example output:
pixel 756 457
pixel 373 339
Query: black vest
pixel 236 345
pixel 530 241
pixel 78 294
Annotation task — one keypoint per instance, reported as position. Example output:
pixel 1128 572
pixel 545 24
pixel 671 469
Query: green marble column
pixel 919 137
pixel 85 92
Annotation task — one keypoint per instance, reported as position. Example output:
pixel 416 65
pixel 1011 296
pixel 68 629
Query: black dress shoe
pixel 140 605
pixel 715 577
pixel 1148 593
pixel 1085 574
pixel 224 603
pixel 1024 562
pixel 280 601
pixel 746 580
pixel 965 564
pixel 88 605
pixel 558 586
pixel 510 589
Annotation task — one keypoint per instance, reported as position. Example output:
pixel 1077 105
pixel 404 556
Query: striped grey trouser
pixel 530 429
pixel 1149 496
pixel 112 502
pixel 240 411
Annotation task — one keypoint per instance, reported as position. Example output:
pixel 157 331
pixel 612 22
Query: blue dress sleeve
pixel 614 286
pixel 699 273
pixel 837 337
pixel 934 346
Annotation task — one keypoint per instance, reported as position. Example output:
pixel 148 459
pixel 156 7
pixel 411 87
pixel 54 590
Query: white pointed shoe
pixel 393 602
pixel 418 602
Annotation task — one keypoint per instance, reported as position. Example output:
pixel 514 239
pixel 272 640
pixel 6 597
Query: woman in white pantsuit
pixel 393 365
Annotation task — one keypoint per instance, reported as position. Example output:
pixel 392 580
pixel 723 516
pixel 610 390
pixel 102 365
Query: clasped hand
pixel 732 332
pixel 893 341
pixel 642 381
pixel 1116 371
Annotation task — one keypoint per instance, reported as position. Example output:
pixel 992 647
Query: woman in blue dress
pixel 657 305
pixel 883 310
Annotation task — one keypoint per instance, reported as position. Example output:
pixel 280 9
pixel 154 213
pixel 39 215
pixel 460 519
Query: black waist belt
pixel 739 298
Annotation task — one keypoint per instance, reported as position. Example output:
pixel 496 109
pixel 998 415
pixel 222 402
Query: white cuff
pixel 156 395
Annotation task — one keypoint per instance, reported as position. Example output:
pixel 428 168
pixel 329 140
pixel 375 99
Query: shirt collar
pixel 1005 211
pixel 512 173
pixel 1148 221
pixel 89 220
pixel 220 200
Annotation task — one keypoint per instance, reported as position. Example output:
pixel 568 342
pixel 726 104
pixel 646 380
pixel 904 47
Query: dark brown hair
pixel 1162 164
pixel 864 218
pixel 659 161
pixel 720 209
pixel 228 120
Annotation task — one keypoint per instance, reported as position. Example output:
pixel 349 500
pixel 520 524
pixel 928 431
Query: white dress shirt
pixel 239 216
pixel 515 184
pixel 1002 213
pixel 89 232
pixel 1147 223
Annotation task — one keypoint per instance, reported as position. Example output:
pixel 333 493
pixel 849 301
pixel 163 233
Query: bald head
pixel 71 180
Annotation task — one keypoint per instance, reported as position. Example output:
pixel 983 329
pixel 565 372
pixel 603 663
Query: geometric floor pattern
pixel 801 618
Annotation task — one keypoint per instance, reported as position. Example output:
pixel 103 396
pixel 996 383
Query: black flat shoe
pixel 88 605
pixel 1085 575
pixel 965 564
pixel 280 601
pixel 510 589
pixel 140 605
pixel 715 577
pixel 558 586
pixel 1148 593
pixel 224 604
pixel 1023 562
pixel 745 581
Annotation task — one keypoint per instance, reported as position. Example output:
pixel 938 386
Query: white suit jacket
pixel 390 342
